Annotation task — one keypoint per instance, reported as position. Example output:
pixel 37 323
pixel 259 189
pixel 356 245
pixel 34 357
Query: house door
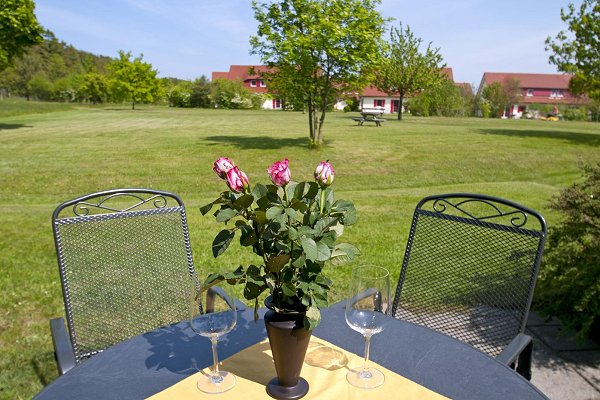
pixel 395 105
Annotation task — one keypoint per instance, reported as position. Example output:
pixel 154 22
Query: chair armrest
pixel 63 348
pixel 217 291
pixel 518 352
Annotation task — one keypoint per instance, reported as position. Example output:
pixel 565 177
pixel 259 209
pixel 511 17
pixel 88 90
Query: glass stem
pixel 216 375
pixel 367 347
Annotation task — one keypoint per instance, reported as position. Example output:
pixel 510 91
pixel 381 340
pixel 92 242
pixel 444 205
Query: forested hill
pixel 52 70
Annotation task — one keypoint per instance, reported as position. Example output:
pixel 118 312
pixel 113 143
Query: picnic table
pixel 370 115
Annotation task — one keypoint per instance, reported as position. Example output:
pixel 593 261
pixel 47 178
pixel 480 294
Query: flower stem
pixel 322 200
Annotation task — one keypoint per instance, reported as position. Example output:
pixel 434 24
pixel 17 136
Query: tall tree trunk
pixel 311 121
pixel 400 105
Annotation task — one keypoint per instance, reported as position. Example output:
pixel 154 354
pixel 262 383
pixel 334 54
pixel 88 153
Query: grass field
pixel 61 153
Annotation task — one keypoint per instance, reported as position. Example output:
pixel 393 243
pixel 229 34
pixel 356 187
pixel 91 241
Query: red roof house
pixel 254 81
pixel 375 98
pixel 534 89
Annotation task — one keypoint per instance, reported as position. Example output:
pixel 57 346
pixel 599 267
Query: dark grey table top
pixel 149 363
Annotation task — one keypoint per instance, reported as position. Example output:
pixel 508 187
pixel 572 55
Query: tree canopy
pixel 133 80
pixel 19 29
pixel 318 49
pixel 405 69
pixel 579 54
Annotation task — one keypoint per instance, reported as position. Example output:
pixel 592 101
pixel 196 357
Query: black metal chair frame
pixel 98 207
pixel 495 216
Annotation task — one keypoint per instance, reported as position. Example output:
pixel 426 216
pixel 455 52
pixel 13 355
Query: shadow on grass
pixel 574 137
pixel 258 142
pixel 13 126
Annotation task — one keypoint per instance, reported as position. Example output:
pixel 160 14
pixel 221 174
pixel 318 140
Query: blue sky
pixel 190 38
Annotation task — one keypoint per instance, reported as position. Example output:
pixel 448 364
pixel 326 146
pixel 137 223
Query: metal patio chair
pixel 125 265
pixel 469 271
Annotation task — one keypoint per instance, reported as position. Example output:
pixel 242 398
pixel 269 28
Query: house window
pixel 276 104
pixel 379 103
pixel 556 93
pixel 529 92
pixel 262 83
pixel 253 83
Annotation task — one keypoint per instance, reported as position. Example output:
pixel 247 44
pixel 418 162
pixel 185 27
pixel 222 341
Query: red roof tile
pixel 529 81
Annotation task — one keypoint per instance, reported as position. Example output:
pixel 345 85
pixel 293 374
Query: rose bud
pixel 324 174
pixel 280 173
pixel 221 166
pixel 237 180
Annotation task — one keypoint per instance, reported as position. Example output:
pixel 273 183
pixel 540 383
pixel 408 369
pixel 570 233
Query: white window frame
pixel 253 83
pixel 262 83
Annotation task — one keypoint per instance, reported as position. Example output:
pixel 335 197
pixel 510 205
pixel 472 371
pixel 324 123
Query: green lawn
pixel 49 157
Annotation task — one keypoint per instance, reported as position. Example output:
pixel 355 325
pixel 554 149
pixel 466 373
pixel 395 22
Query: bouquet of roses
pixel 293 227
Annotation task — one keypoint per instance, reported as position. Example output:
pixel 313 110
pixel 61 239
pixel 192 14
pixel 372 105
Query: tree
pixel 405 70
pixel 19 29
pixel 580 55
pixel 318 49
pixel 501 95
pixel 444 99
pixel 94 87
pixel 133 80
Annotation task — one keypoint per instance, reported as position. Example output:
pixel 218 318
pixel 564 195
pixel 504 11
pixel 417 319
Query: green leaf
pixel 343 253
pixel 288 289
pixel 299 262
pixel 323 252
pixel 292 233
pixel 310 248
pixel 306 231
pixel 225 214
pixel 222 241
pixel 343 205
pixel 259 191
pixel 350 217
pixel 260 217
pixel 299 205
pixel 205 209
pixel 291 213
pixel 248 236
pixel 252 290
pixel 312 318
pixel 313 190
pixel 274 212
pixel 243 202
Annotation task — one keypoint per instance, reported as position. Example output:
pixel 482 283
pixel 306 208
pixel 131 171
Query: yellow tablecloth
pixel 325 368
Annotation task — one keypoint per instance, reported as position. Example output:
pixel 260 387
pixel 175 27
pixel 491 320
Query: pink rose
pixel 237 180
pixel 221 166
pixel 280 173
pixel 324 173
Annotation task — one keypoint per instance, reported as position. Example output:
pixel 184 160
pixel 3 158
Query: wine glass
pixel 366 313
pixel 213 314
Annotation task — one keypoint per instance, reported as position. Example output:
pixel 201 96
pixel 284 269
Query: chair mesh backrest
pixel 470 268
pixel 124 271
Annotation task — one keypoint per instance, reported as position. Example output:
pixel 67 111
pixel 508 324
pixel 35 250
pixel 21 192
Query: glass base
pixel 216 384
pixel 368 378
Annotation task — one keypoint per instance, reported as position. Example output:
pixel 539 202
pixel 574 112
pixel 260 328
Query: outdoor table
pixel 370 116
pixel 151 362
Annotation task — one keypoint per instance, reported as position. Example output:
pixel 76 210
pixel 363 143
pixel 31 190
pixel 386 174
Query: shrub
pixel 575 114
pixel 569 280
